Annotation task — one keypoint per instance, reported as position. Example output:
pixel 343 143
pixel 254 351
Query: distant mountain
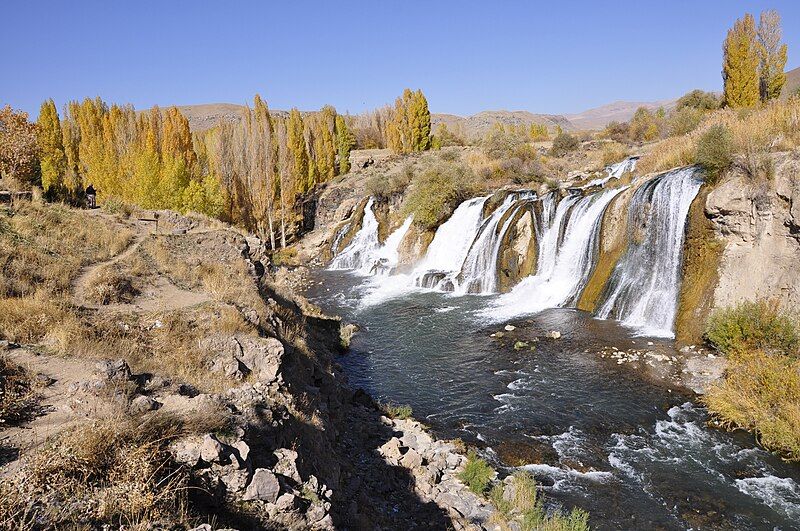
pixel 619 111
pixel 207 115
pixel 792 83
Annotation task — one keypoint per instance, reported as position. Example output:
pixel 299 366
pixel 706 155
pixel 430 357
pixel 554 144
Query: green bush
pixel 714 152
pixel 563 144
pixel 524 505
pixel 698 99
pixel 398 412
pixel 477 474
pixel 381 185
pixel 436 192
pixel 753 326
pixel 684 121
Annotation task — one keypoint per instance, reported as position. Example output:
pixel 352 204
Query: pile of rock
pixel 435 465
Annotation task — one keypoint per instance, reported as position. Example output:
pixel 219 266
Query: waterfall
pixel 479 272
pixel 567 248
pixel 360 252
pixel 450 245
pixel 615 171
pixel 387 256
pixel 643 289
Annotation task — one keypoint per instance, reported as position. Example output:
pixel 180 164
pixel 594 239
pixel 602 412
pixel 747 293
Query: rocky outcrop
pixel 518 249
pixel 759 225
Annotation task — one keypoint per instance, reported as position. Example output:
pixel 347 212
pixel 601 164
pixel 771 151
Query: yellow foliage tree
pixel 740 64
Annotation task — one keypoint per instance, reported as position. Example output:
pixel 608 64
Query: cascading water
pixel 479 272
pixel 450 245
pixel 360 252
pixel 387 256
pixel 643 289
pixel 615 171
pixel 567 247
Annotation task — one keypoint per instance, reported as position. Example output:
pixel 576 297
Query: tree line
pixel 254 172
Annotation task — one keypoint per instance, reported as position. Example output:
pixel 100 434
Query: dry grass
pixel 44 247
pixel 774 127
pixel 114 471
pixel 109 286
pixel 40 318
pixel 761 393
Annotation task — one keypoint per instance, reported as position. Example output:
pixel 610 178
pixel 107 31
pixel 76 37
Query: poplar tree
pixel 740 64
pixel 345 141
pixel 772 55
pixel 409 128
pixel 52 159
pixel 297 148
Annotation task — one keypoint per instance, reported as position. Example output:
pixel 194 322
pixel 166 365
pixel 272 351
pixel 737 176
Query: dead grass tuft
pixel 109 286
pixel 17 393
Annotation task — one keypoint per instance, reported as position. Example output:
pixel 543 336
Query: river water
pixel 634 453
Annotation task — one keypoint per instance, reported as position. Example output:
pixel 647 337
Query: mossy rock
pixel 512 266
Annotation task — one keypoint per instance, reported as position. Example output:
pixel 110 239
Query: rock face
pixel 241 355
pixel 759 224
pixel 413 246
pixel 518 254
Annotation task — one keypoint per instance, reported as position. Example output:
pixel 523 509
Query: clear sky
pixel 553 57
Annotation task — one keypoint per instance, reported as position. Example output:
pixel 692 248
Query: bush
pixel 684 121
pixel 761 393
pixel 563 144
pixel 614 152
pixel 714 152
pixel 698 99
pixel 436 192
pixel 17 394
pixel 523 504
pixel 394 411
pixel 752 326
pixel 381 185
pixel 477 474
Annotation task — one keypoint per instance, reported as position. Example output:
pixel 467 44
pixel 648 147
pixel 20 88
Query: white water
pixel 450 245
pixel 387 256
pixel 359 254
pixel 645 282
pixel 615 171
pixel 566 257
pixel 479 272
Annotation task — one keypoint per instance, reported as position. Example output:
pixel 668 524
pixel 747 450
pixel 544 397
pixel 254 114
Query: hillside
pixel 477 125
pixel 792 83
pixel 618 111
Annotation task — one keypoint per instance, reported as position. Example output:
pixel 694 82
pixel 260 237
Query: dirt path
pixel 59 409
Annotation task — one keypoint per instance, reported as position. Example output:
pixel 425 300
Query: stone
pixel 391 449
pixel 264 486
pixel 230 367
pixel 234 479
pixel 244 451
pixel 143 404
pixel 411 459
pixel 263 356
pixel 287 464
pixel 287 502
pixel 554 334
pixel 117 370
pixel 202 527
pixel 510 328
pixel 187 451
pixel 409 440
pixel 210 449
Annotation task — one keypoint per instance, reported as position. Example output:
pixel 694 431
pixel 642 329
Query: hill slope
pixel 792 83
pixel 618 111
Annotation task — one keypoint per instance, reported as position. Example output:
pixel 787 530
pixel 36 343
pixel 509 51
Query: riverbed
pixel 634 452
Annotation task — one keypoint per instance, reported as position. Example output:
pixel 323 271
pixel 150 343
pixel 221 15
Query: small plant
pixel 113 205
pixel 398 412
pixel 17 393
pixel 714 152
pixel 477 474
pixel 285 257
pixel 753 326
pixel 563 144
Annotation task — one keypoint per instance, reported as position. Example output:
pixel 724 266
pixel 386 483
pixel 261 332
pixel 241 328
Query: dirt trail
pixel 161 295
pixel 58 408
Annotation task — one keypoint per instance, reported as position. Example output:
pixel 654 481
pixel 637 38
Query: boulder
pixel 234 479
pixel 143 404
pixel 117 370
pixel 187 451
pixel 287 464
pixel 391 449
pixel 264 486
pixel 210 449
pixel 411 459
pixel 243 450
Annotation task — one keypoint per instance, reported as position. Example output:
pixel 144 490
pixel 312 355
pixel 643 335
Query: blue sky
pixel 551 57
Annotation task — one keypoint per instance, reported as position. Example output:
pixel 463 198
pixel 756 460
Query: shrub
pixel 109 286
pixel 645 125
pixel 614 152
pixel 398 412
pixel 698 99
pixel 381 185
pixel 436 192
pixel 477 474
pixel 714 152
pixel 753 326
pixel 563 144
pixel 522 503
pixel 761 393
pixel 285 257
pixel 684 121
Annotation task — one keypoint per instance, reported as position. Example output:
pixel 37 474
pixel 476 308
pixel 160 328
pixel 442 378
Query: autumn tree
pixel 52 159
pixel 18 146
pixel 297 147
pixel 345 142
pixel 771 55
pixel 409 129
pixel 740 64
